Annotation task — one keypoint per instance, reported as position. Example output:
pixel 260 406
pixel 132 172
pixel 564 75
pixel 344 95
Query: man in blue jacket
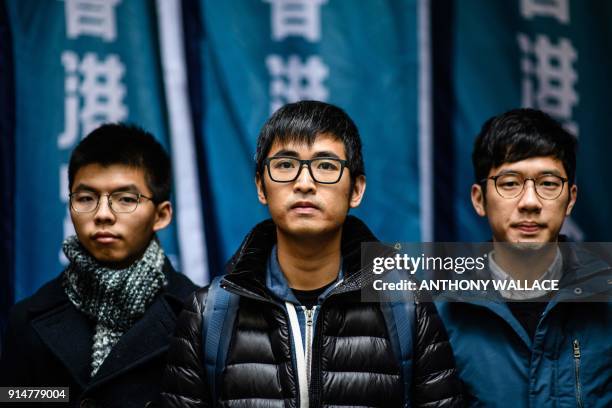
pixel 532 349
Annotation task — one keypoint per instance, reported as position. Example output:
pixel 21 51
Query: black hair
pixel 521 134
pixel 129 145
pixel 302 122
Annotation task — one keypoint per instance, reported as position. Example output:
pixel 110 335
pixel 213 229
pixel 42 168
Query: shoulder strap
pixel 400 319
pixel 217 323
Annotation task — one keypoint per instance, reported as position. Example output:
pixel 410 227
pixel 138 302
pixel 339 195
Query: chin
pixel 527 240
pixel 108 257
pixel 528 245
pixel 305 231
pixel 307 228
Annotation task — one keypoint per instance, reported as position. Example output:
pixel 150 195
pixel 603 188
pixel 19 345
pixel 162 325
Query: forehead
pixel 532 166
pixel 322 143
pixel 109 178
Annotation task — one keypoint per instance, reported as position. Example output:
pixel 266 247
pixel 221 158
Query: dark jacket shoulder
pixel 49 341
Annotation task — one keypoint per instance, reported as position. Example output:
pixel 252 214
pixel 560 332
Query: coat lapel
pixel 147 339
pixel 68 334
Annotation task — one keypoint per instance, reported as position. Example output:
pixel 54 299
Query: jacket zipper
pixel 576 347
pixel 309 313
pixel 313 386
pixel 303 350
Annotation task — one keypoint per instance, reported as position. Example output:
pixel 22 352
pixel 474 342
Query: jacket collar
pixel 248 267
pixel 584 276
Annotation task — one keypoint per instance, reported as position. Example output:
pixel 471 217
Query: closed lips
pixel 304 204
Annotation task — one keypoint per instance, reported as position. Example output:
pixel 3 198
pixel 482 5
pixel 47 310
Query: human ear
pixel 478 200
pixel 573 194
pixel 163 215
pixel 359 186
pixel 261 189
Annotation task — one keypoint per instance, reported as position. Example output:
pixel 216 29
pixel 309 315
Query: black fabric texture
pixel 49 343
pixel 528 314
pixel 309 298
pixel 353 362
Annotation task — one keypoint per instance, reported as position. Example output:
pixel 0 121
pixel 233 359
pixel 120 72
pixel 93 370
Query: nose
pixel 104 214
pixel 529 201
pixel 304 182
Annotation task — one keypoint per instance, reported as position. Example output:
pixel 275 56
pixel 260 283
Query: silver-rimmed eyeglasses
pixel 119 201
pixel 511 185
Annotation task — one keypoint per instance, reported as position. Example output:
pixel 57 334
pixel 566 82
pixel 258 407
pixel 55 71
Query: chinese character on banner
pixel 550 67
pixel 91 17
pixel 294 80
pixel 558 9
pixel 296 17
pixel 100 91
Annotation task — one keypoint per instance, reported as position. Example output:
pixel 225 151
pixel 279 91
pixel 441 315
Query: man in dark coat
pixel 102 326
pixel 301 336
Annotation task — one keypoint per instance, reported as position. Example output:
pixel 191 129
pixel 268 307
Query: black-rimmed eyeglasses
pixel 324 170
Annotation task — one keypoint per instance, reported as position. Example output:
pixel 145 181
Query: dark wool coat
pixel 49 343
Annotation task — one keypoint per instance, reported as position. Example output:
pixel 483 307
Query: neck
pixel 309 263
pixel 523 263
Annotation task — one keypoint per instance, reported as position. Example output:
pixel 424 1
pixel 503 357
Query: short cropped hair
pixel 302 122
pixel 521 134
pixel 129 145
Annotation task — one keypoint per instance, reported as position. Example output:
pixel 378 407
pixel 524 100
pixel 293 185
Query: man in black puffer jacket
pixel 301 336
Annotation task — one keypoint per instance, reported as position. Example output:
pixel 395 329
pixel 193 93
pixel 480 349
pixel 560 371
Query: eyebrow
pixel 126 188
pixel 293 153
pixel 553 172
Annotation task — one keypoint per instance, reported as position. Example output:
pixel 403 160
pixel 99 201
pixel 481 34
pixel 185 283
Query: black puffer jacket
pixel 353 363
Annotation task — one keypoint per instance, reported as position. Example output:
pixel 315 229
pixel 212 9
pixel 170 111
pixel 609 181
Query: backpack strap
pixel 400 319
pixel 218 318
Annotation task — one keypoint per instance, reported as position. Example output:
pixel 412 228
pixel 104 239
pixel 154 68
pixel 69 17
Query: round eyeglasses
pixel 511 185
pixel 119 201
pixel 324 170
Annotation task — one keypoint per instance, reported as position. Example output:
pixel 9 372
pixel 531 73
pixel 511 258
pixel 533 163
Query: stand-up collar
pixel 248 267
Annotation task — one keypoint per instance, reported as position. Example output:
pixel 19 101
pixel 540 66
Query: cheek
pixel 342 204
pixel 498 215
pixel 277 195
pixel 338 204
pixel 137 236
pixel 559 213
pixel 79 224
pixel 144 225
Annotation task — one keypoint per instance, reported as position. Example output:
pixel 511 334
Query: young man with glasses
pixel 102 326
pixel 532 348
pixel 300 335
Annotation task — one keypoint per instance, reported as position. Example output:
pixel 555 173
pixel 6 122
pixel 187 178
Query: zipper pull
pixel 576 346
pixel 309 313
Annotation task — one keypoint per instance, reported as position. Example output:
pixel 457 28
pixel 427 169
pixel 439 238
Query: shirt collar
pixel 276 281
pixel 554 272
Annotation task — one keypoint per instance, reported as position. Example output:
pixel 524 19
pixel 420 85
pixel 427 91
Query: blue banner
pixel 550 55
pixel 7 167
pixel 255 56
pixel 78 63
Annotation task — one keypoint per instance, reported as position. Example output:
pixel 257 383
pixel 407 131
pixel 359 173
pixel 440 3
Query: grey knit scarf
pixel 114 298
